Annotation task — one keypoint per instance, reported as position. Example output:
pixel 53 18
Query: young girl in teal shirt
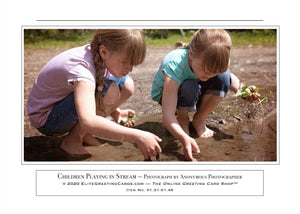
pixel 194 78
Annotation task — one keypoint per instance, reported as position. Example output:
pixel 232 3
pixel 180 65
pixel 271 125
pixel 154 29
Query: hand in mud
pixel 189 145
pixel 149 159
pixel 148 145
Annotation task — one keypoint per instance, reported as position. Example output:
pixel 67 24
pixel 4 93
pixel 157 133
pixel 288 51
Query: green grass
pixel 253 37
pixel 54 38
pixel 239 38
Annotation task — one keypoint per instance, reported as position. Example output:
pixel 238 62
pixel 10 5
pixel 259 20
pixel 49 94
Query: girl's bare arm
pixel 101 127
pixel 169 103
pixel 235 83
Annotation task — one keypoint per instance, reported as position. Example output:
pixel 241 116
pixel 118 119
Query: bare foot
pixel 120 117
pixel 202 130
pixel 74 149
pixel 183 120
pixel 91 141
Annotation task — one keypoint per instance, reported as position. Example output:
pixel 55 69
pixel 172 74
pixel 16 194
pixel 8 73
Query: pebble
pixel 222 122
pixel 238 118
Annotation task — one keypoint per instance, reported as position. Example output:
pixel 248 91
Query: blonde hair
pixel 213 46
pixel 130 41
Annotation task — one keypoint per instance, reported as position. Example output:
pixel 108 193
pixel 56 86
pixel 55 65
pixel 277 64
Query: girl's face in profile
pixel 196 66
pixel 115 62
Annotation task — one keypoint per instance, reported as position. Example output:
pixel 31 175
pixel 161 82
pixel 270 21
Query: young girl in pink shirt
pixel 79 87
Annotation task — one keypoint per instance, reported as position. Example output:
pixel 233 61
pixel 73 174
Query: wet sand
pixel 243 142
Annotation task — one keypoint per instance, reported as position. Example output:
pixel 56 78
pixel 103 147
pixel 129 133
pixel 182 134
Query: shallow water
pixel 241 142
pixel 244 141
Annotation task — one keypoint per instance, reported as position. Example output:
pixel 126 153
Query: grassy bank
pixel 55 38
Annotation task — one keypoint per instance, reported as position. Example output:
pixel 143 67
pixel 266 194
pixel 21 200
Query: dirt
pixel 244 131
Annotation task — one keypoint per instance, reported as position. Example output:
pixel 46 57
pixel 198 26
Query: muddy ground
pixel 243 131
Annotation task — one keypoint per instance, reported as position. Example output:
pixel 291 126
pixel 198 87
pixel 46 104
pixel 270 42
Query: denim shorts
pixel 191 91
pixel 120 82
pixel 63 116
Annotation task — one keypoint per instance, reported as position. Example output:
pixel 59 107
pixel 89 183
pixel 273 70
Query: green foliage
pixel 245 91
pixel 241 37
pixel 53 38
pixel 161 37
pixel 66 38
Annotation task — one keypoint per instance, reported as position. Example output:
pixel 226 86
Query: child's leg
pixel 90 140
pixel 208 103
pixel 214 90
pixel 117 91
pixel 188 95
pixel 63 119
pixel 183 120
pixel 127 89
pixel 72 143
pixel 108 103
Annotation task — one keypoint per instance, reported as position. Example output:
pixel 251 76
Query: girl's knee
pixel 218 85
pixel 108 103
pixel 128 87
pixel 189 89
pixel 225 80
pixel 112 95
pixel 188 95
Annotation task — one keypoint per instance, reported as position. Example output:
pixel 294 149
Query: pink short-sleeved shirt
pixel 53 83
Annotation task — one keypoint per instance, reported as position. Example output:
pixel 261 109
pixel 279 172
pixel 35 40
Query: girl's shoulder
pixel 177 55
pixel 179 52
pixel 81 50
pixel 78 55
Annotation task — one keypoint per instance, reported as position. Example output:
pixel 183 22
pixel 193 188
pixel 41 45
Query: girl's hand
pixel 124 117
pixel 190 145
pixel 148 144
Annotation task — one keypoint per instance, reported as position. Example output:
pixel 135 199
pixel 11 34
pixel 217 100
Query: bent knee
pixel 112 95
pixel 188 95
pixel 128 87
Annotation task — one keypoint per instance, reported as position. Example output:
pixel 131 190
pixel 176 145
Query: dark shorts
pixel 63 116
pixel 191 91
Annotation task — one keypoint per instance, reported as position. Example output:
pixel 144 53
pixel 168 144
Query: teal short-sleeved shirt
pixel 177 67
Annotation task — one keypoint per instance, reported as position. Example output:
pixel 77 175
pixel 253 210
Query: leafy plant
pixel 245 91
pixel 127 119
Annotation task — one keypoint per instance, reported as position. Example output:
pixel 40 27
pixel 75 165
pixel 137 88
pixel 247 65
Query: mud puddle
pixel 241 142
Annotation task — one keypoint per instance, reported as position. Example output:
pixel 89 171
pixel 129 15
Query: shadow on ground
pixel 45 148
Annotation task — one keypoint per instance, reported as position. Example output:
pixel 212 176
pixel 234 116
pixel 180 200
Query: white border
pixel 281 181
pixel 146 24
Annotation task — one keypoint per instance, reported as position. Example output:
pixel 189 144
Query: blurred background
pixel 66 38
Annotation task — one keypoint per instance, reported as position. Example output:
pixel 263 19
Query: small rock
pixel 238 118
pixel 222 122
